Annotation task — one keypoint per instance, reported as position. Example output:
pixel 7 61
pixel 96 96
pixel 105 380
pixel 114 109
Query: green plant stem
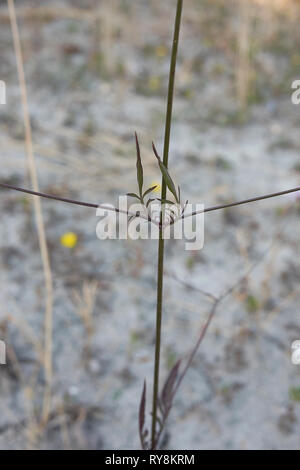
pixel 161 244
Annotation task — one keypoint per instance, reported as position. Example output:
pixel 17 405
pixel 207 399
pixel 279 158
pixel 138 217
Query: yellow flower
pixel 161 51
pixel 69 240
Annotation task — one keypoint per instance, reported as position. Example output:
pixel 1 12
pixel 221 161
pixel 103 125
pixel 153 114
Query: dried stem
pixel 38 211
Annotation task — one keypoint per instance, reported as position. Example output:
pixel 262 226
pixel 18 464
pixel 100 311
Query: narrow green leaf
pixel 139 166
pixel 166 175
pixel 168 180
pixel 155 151
pixel 149 190
pixel 166 201
pixel 133 195
pixel 149 202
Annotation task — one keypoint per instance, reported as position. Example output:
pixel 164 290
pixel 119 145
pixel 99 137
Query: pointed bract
pixel 166 175
pixel 139 166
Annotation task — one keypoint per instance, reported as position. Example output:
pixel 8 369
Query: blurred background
pixel 96 72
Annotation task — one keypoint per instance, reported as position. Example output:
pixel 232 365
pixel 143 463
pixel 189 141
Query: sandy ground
pixel 242 392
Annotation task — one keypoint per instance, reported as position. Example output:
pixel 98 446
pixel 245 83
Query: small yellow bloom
pixel 69 240
pixel 161 51
pixel 158 187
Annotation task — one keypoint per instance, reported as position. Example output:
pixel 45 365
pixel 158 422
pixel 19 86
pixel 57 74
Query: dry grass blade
pixel 168 389
pixel 85 303
pixel 143 432
pixel 51 13
pixel 37 209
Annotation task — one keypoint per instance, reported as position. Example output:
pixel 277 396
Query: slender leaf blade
pixel 133 195
pixel 167 392
pixel 166 175
pixel 139 166
pixel 149 190
pixel 168 180
pixel 142 431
